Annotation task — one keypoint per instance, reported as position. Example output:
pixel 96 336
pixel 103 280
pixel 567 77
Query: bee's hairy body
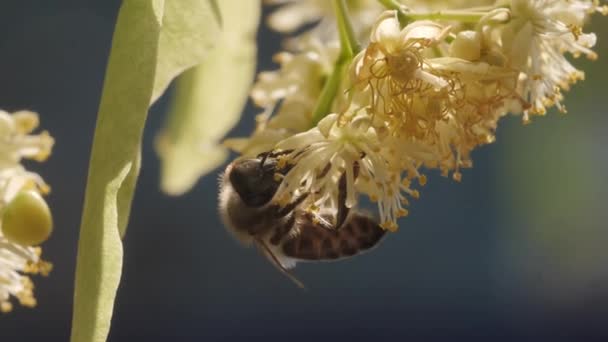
pixel 290 233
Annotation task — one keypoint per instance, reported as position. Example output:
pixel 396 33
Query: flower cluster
pixel 425 91
pixel 25 217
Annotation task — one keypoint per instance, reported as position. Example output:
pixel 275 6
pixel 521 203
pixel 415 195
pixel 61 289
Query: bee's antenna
pixel 264 156
pixel 277 263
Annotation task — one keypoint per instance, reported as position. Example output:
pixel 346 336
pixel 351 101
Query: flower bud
pixel 27 220
pixel 467 45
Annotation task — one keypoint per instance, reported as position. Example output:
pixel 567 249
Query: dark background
pixel 517 251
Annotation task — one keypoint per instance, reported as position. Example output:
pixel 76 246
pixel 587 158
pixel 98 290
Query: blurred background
pixel 517 251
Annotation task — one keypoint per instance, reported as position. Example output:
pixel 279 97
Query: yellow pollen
pixel 389 225
pixel 281 57
pixel 6 307
pixel 402 212
pixel 282 161
pixel 41 267
pixel 592 56
pixel 26 296
pixel 415 194
pixel 27 299
pixel 283 200
pixel 576 31
pixel 45 152
pixel 422 180
pixel 457 176
pixel 44 189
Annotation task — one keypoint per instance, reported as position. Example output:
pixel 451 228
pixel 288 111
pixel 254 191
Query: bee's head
pixel 254 181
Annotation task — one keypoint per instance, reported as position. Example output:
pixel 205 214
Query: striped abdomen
pixel 315 242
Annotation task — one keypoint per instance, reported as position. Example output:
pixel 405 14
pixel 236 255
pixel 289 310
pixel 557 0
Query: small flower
pixel 353 149
pixel 16 142
pixel 15 262
pixel 394 72
pixel 288 96
pixel 294 14
pixel 25 217
pixel 535 41
pixel 298 81
pixel 447 104
pixel 481 95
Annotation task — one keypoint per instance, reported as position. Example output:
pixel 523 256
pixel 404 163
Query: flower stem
pixel 348 40
pixel 349 47
pixel 406 16
pixel 330 89
pixel 461 16
pixel 400 8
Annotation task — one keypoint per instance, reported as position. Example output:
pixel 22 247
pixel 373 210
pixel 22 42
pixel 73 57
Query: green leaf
pixel 154 40
pixel 209 100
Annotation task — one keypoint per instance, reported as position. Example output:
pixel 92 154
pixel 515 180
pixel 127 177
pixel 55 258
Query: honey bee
pixel 288 234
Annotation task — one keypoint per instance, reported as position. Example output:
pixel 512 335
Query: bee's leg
pixel 287 213
pixel 273 259
pixel 263 156
pixel 343 210
pixel 283 229
pixel 272 154
pixel 284 211
pixel 325 170
pixel 275 153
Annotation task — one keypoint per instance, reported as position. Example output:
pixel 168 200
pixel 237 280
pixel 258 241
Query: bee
pixel 290 233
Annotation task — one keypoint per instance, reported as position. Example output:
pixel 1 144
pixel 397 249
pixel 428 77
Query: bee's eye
pixel 253 182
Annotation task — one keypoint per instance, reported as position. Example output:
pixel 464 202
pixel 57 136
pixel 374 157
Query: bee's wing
pixel 316 242
pixel 279 261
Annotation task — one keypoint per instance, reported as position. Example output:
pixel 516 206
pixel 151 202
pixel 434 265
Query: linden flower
pixel 321 155
pixel 481 96
pixel 15 261
pixel 25 217
pixel 347 150
pixel 298 81
pixel 393 66
pixel 288 96
pixel 15 141
pixel 536 39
